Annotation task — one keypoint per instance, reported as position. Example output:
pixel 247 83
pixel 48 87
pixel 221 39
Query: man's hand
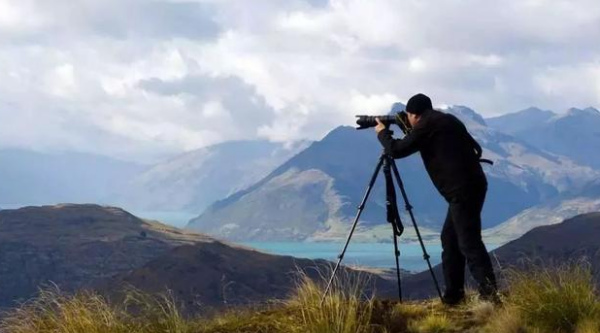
pixel 380 126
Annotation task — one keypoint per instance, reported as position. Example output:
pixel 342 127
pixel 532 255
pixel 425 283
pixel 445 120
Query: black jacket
pixel 449 152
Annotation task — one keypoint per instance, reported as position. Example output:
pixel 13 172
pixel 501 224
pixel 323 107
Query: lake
pixel 379 255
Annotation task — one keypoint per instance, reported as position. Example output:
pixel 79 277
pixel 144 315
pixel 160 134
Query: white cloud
pixel 140 79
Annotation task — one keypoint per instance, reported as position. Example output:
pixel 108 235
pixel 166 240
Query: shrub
pixel 344 309
pixel 554 299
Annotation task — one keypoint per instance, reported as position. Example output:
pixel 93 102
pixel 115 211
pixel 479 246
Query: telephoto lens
pixel 364 122
pixel 400 119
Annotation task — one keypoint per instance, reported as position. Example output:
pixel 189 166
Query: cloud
pixel 142 79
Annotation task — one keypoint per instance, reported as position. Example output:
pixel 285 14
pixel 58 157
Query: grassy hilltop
pixel 560 299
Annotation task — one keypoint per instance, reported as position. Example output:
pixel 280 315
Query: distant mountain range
pixel 194 180
pixel 28 177
pixel 517 122
pixel 574 133
pixel 314 194
pixel 187 182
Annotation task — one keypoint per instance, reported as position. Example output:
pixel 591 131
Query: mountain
pixel 520 121
pixel 28 177
pixel 71 245
pixel 574 134
pixel 193 180
pixel 314 194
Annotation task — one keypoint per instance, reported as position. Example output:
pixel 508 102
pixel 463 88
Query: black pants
pixel 461 242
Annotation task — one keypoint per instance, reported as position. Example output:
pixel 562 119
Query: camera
pixel 400 119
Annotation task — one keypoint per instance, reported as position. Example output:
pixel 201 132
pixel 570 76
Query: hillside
pixel 314 194
pixel 71 245
pixel 106 248
pixel 573 239
pixel 218 274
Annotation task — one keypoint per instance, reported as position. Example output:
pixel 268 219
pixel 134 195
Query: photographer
pixel 451 157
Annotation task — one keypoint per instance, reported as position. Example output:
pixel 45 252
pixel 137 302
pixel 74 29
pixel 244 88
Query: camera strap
pixel 479 152
pixel 486 161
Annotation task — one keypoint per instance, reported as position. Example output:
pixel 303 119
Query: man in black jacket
pixel 451 157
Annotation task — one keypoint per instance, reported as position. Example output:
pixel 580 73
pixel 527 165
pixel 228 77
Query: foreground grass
pixel 558 299
pixel 542 300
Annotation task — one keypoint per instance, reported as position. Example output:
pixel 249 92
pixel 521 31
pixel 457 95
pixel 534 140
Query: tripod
pixel 393 217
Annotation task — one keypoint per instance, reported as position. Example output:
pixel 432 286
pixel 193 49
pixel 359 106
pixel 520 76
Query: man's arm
pixel 398 148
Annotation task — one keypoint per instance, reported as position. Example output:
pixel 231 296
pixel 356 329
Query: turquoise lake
pixel 379 255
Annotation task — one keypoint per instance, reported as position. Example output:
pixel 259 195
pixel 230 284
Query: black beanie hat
pixel 418 104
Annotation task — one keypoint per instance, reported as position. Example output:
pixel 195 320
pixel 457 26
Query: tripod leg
pixel 361 207
pixel 397 256
pixel 409 208
pixel 393 217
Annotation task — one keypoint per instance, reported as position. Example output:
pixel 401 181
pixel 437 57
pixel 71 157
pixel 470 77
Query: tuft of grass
pixel 158 313
pixel 345 309
pixel 554 299
pixel 508 320
pixel 53 312
pixel 432 323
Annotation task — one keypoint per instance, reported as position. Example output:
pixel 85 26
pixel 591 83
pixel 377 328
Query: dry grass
pixel 559 299
pixel 432 323
pixel 343 310
pixel 482 311
pixel 554 299
pixel 507 320
pixel 53 312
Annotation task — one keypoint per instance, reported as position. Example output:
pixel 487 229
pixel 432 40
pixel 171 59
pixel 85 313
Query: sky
pixel 141 79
